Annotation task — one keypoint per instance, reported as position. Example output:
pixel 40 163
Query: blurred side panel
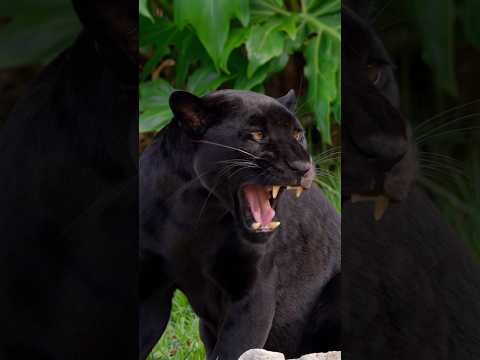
pixel 68 165
pixel 410 180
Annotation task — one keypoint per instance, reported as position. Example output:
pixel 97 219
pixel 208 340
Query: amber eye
pixel 374 73
pixel 257 135
pixel 298 135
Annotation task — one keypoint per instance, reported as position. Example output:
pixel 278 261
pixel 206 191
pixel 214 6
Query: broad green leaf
pixel 158 54
pixel 190 50
pixel 329 24
pixel 143 9
pixel 37 31
pixel 237 38
pixel 204 80
pixel 292 46
pixel 322 7
pixel 472 24
pixel 211 21
pixel 289 25
pixel 155 111
pixel 268 8
pixel 243 82
pixel 160 33
pixel 322 55
pixel 437 34
pixel 264 43
pixel 337 104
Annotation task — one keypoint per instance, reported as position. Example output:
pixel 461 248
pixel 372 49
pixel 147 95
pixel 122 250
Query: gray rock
pixel 259 354
pixel 332 355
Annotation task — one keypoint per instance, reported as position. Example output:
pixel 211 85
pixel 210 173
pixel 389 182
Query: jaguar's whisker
pixel 227 147
pixel 443 113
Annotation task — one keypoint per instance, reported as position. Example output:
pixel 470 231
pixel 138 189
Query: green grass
pixel 329 179
pixel 181 340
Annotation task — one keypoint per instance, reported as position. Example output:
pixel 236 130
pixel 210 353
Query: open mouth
pixel 260 203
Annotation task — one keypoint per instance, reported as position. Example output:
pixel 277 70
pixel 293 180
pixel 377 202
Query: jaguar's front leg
pixel 247 323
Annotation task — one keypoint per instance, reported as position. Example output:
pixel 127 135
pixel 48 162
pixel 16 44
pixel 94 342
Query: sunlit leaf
pixel 248 83
pixel 143 9
pixel 211 21
pixel 190 51
pixel 237 37
pixel 320 70
pixel 204 80
pixel 160 33
pixel 263 44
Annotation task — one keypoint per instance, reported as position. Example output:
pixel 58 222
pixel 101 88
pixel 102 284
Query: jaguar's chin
pixel 257 205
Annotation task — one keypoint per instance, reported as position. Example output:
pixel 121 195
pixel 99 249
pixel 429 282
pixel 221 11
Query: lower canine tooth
pixel 274 224
pixel 359 198
pixel 256 226
pixel 275 190
pixel 299 191
pixel 381 205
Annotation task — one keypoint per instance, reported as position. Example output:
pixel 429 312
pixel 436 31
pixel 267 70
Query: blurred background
pixel 31 34
pixel 435 45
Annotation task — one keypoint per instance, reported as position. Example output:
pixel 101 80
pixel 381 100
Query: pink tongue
pixel 257 198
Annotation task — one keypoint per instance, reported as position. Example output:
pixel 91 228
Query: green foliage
pixel 36 31
pixel 437 34
pixel 240 44
pixel 442 24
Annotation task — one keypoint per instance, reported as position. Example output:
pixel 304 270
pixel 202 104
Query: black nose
pixel 300 166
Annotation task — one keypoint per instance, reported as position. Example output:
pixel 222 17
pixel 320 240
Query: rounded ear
pixel 190 111
pixel 111 21
pixel 289 100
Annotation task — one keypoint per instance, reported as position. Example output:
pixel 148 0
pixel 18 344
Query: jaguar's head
pixel 249 149
pixel 378 154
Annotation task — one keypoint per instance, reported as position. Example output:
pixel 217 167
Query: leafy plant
pixel 35 31
pixel 238 44
pixel 441 26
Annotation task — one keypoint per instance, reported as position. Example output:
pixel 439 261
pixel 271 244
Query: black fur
pixel 277 291
pixel 410 290
pixel 68 203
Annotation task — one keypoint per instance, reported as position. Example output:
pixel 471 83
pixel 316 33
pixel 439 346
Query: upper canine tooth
pixel 273 225
pixel 299 191
pixel 275 190
pixel 381 205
